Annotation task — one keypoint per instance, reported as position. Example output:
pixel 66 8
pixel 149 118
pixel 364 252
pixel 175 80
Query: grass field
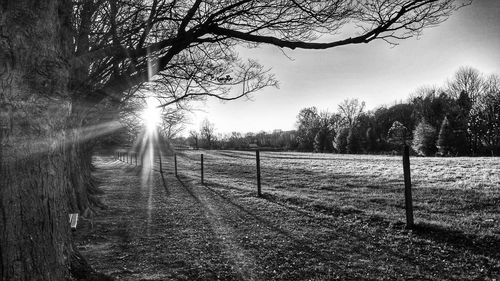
pixel 450 195
pixel 321 217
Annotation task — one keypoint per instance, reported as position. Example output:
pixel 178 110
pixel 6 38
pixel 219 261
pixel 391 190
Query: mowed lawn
pixel 449 194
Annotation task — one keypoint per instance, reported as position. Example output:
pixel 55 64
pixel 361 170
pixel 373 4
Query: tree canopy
pixel 120 45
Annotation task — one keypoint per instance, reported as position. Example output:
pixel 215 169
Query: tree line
pixel 460 118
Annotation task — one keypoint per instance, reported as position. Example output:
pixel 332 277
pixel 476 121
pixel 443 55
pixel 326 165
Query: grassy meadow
pixel 449 194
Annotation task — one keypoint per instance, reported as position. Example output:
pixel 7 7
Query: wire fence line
pixel 129 157
pixel 370 183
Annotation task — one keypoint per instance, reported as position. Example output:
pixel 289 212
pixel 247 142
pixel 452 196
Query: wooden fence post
pixel 161 167
pixel 175 164
pixel 257 158
pixel 408 197
pixel 202 168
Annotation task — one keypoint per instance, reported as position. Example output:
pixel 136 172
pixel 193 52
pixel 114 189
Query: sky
pixel 377 73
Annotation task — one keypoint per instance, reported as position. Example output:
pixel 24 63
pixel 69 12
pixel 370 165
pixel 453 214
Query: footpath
pixel 179 229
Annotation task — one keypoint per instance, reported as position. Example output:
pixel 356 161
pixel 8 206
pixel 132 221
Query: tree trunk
pixel 79 173
pixel 84 189
pixel 35 240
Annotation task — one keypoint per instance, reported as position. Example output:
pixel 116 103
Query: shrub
pixel 424 139
pixel 353 142
pixel 341 140
pixel 445 142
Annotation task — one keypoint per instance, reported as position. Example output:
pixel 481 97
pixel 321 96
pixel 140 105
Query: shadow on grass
pixel 241 208
pixel 481 245
pixel 80 269
pixel 297 244
pixel 164 183
pixel 292 202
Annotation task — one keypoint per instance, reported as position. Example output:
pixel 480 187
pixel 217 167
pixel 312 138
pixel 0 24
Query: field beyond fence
pixel 451 194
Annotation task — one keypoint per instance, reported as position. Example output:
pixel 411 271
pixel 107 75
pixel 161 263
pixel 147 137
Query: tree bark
pixel 35 239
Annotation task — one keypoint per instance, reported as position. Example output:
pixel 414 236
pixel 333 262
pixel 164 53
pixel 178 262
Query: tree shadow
pixel 299 245
pixel 164 183
pixel 298 205
pixel 487 245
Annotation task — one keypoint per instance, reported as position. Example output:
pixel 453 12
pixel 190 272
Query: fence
pixel 128 157
pixel 132 158
pixel 258 184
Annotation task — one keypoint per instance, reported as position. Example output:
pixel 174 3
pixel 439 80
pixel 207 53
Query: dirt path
pixel 157 232
pixel 187 231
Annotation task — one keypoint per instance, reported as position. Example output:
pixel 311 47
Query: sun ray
pixel 39 146
pixel 151 115
pixel 147 143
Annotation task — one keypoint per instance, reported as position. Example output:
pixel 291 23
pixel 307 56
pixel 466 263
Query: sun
pixel 151 115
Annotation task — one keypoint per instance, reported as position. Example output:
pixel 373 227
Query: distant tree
pixel 207 134
pixel 384 118
pixel 353 141
pixel 484 118
pixel 194 138
pixel 464 101
pixel 276 139
pixel 326 123
pixel 262 139
pixel 371 140
pixel 431 104
pixel 236 140
pixel 341 140
pixel 308 125
pixel 424 139
pixel 350 110
pixel 397 137
pixel 318 142
pixel 466 80
pixel 445 142
pixel 290 140
pixel 459 123
pixel 470 86
pixel 398 134
pixel 323 141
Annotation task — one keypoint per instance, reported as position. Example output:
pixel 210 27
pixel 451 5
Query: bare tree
pixel 491 84
pixel 194 138
pixel 350 110
pixel 195 41
pixel 207 133
pixel 483 124
pixel 173 123
pixel 468 80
